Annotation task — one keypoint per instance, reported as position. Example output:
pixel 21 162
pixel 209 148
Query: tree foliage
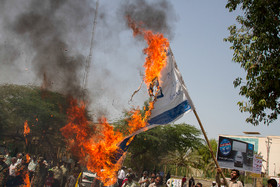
pixel 45 113
pixel 256 46
pixel 150 150
pixel 206 163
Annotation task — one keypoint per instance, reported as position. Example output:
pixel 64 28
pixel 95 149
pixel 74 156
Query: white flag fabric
pixel 173 101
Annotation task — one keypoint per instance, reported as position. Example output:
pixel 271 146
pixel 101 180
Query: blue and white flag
pixel 171 104
pixel 173 101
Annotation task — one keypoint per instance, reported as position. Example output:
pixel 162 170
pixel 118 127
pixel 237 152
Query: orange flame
pixel 156 51
pixel 27 158
pixel 96 145
pixel 26 130
pixel 93 145
pixel 26 180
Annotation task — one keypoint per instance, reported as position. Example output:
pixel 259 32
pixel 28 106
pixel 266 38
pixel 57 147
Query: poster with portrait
pixel 235 154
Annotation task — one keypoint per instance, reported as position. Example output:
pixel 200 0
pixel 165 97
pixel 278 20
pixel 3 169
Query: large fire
pixel 97 144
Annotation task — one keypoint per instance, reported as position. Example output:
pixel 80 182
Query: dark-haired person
pixel 271 183
pixel 233 182
pixel 156 183
pixel 198 184
pixel 144 180
pixel 129 182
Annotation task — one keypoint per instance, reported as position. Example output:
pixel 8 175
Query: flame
pixel 26 130
pixel 26 179
pixel 96 145
pixel 27 158
pixel 93 145
pixel 156 51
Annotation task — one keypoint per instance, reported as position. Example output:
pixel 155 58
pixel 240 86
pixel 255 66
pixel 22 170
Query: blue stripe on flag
pixel 164 118
pixel 120 151
pixel 170 115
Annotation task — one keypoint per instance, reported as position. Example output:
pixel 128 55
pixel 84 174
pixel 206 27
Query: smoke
pixel 47 42
pixel 45 29
pixel 158 16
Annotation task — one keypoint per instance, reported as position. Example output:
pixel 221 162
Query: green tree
pixel 45 113
pixel 149 150
pixel 256 46
pixel 207 163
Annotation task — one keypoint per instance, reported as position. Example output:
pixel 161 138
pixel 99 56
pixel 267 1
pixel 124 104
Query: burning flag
pixel 164 81
pixel 172 100
pixel 100 148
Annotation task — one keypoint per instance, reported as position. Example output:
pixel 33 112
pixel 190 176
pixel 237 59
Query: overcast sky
pixel 195 28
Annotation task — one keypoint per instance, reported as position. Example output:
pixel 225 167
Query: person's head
pixel 129 177
pixel 213 183
pixel 234 174
pixel 14 160
pixel 198 184
pixel 19 155
pixel 129 170
pixel 152 179
pixel 272 183
pixel 157 180
pixel 145 173
pixel 40 160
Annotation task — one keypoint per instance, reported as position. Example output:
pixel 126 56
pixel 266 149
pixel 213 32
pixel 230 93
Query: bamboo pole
pixel 209 145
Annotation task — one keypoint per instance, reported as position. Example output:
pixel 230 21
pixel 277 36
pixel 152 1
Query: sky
pixel 35 40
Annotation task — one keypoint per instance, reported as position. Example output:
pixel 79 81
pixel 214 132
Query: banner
pixel 235 154
pixel 173 182
pixel 257 164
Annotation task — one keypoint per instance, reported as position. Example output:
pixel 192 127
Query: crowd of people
pixel 128 179
pixel 27 170
pixel 152 179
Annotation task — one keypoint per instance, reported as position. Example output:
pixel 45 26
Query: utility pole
pixel 268 142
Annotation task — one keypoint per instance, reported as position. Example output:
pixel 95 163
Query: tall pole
pixel 209 145
pixel 268 151
pixel 87 67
